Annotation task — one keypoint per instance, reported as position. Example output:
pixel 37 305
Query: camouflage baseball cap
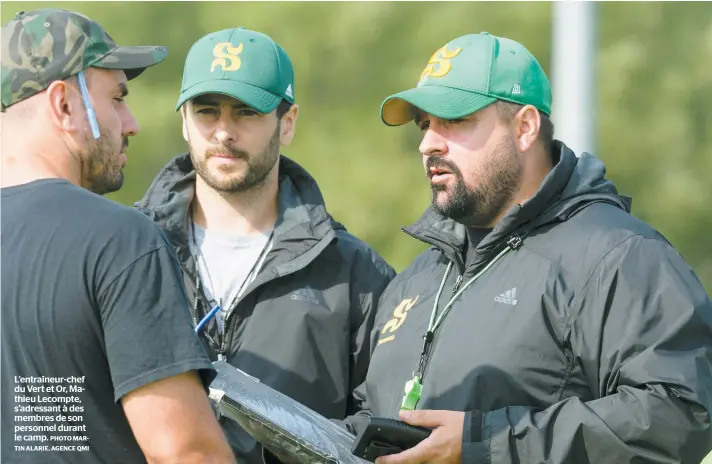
pixel 48 45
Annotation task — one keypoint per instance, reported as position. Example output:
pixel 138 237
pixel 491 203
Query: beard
pixel 102 165
pixel 501 174
pixel 254 175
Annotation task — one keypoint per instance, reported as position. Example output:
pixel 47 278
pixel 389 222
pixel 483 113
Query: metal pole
pixel 573 75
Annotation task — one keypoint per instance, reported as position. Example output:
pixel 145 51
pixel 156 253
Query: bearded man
pixel 278 288
pixel 545 323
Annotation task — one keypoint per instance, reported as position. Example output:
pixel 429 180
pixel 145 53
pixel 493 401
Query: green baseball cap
pixel 468 74
pixel 49 45
pixel 241 64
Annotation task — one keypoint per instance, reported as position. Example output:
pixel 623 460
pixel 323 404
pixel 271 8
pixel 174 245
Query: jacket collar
pixel 302 216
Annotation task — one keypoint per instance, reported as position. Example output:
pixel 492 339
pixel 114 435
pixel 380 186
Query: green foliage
pixel 654 94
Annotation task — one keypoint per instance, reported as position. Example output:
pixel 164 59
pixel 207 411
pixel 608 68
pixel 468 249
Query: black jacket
pixel 588 341
pixel 302 326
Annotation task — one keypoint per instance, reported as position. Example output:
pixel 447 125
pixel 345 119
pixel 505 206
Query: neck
pixel 536 168
pixel 24 163
pixel 243 213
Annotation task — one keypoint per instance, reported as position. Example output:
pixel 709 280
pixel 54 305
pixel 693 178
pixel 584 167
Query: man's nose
pixel 224 128
pixel 433 144
pixel 130 125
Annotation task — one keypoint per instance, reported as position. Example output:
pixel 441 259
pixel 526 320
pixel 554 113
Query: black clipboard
pixel 292 432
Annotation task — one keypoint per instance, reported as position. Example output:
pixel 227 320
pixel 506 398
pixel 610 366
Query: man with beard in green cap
pixel 545 323
pixel 288 293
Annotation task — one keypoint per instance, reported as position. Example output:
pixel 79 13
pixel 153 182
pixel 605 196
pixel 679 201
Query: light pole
pixel 573 75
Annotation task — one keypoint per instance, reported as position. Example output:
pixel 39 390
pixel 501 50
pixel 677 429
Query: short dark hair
pixel 282 108
pixel 507 111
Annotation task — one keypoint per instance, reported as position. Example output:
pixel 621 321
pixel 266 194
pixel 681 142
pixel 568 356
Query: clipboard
pixel 292 432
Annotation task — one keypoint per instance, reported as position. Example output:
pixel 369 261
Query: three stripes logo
pixel 509 297
pixel 307 294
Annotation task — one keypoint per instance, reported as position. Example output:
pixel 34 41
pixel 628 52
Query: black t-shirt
pixel 92 308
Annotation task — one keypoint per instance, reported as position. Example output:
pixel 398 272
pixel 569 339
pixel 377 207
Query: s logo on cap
pixel 441 58
pixel 224 52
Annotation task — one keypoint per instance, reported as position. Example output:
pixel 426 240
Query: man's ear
pixel 288 127
pixel 528 123
pixel 64 105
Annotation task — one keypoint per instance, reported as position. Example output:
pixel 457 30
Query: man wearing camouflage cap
pixel 545 323
pixel 99 359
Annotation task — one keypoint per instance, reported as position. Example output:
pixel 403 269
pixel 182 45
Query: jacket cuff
pixel 474 450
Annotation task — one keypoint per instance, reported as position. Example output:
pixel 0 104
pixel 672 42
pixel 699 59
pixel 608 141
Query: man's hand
pixel 443 446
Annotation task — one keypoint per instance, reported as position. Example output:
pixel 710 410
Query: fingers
pixel 443 445
pixel 425 418
pixel 417 454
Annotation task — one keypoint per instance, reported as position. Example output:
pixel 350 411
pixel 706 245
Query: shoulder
pixel 612 224
pixel 589 235
pixel 87 215
pixel 130 228
pixel 125 219
pixel 110 231
pixel 425 263
pixel 418 275
pixel 595 238
pixel 360 255
pixel 98 210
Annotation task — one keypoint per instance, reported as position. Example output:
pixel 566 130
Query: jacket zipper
pixel 514 242
pixel 225 339
pixel 222 337
pixel 568 353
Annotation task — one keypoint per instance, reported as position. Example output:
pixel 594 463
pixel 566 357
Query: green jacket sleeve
pixel 641 332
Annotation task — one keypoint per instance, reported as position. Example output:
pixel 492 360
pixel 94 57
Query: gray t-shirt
pixel 227 264
pixel 93 307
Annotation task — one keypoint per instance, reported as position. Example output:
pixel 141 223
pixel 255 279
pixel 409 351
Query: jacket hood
pixel 302 212
pixel 573 183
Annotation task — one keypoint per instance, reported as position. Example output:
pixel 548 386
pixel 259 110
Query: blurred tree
pixel 654 99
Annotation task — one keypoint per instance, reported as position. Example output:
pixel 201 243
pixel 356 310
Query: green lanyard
pixel 414 387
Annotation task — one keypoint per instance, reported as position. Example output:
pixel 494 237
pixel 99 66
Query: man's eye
pixel 454 121
pixel 119 99
pixel 424 125
pixel 248 112
pixel 206 111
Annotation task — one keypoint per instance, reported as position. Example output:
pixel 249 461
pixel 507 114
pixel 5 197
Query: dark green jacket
pixel 590 341
pixel 302 326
